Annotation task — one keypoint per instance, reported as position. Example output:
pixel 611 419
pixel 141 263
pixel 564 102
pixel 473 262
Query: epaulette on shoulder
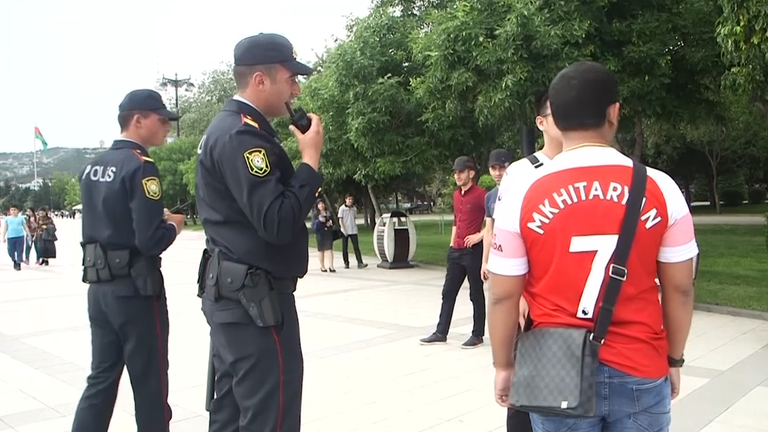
pixel 248 120
pixel 142 157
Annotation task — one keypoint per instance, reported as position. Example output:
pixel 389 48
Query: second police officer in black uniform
pixel 253 205
pixel 124 233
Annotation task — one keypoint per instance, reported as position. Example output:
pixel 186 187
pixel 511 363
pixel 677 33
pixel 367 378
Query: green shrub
pixel 732 198
pixel 701 190
pixel 732 189
pixel 757 195
pixel 486 182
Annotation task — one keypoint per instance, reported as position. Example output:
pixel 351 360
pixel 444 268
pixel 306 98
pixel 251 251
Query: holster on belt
pixel 100 265
pixel 251 287
pixel 147 276
pixel 201 272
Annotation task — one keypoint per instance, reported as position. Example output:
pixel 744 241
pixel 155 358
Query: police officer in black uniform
pixel 252 204
pixel 125 229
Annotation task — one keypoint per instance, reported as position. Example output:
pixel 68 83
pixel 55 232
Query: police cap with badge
pixel 268 49
pixel 148 101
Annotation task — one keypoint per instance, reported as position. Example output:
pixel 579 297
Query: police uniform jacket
pixel 252 202
pixel 122 205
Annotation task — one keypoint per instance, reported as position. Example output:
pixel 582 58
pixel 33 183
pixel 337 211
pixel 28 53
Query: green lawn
pixel 734 266
pixel 749 209
pixel 733 270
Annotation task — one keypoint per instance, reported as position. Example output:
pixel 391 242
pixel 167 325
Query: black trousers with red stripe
pixel 128 330
pixel 259 371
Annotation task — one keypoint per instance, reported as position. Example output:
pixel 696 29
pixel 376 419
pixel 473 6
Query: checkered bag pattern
pixel 555 372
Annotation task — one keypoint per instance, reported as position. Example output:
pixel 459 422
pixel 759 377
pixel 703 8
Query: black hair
pixel 244 74
pixel 580 95
pixel 540 102
pixel 125 118
pixel 14 206
pixel 349 195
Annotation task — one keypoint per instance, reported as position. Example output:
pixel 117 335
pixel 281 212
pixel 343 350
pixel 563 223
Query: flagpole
pixel 34 157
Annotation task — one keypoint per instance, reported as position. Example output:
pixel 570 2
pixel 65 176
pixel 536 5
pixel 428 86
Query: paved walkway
pixel 365 371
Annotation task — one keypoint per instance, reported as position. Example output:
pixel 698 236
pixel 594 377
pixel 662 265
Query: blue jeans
pixel 16 249
pixel 624 404
pixel 28 248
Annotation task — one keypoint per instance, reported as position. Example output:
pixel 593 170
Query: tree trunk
pixel 371 217
pixel 637 152
pixel 374 202
pixel 715 193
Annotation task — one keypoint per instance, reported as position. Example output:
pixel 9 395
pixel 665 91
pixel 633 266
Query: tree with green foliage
pixel 726 136
pixel 73 193
pixel 199 109
pixel 362 91
pixel 171 160
pixel 59 183
pixel 484 61
pixel 743 35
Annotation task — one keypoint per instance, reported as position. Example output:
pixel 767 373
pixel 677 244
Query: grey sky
pixel 66 65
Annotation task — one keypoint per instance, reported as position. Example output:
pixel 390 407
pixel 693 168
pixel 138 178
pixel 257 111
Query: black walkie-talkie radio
pixel 299 118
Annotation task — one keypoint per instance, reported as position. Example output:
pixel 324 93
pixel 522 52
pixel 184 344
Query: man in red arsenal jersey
pixel 555 234
pixel 465 255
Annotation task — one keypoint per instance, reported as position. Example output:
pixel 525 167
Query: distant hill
pixel 19 166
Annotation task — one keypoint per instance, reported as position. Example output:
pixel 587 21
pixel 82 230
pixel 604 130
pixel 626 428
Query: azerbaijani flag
pixel 39 137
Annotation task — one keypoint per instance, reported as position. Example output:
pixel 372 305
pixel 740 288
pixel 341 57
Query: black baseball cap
pixel 147 100
pixel 499 157
pixel 269 48
pixel 464 163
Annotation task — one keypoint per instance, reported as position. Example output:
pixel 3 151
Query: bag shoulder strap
pixel 534 161
pixel 617 271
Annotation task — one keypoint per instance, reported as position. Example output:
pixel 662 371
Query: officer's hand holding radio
pixel 311 141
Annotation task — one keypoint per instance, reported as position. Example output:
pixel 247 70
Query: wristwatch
pixel 675 363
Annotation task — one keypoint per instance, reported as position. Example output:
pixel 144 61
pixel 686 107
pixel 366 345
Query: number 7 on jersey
pixel 603 246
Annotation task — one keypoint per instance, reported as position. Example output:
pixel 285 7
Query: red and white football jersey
pixel 559 225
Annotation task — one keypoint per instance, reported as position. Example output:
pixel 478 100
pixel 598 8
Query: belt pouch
pixel 231 277
pixel 211 283
pixel 95 265
pixel 147 277
pixel 118 262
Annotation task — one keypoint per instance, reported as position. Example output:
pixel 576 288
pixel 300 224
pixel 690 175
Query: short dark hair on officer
pixel 580 96
pixel 125 118
pixel 263 53
pixel 244 74
pixel 143 103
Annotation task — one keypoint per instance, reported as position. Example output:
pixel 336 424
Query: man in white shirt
pixel 348 223
pixel 553 145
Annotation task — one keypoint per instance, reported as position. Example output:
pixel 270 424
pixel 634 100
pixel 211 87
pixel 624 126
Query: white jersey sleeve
pixel 679 241
pixel 508 256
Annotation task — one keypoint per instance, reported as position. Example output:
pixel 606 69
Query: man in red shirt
pixel 555 234
pixel 465 255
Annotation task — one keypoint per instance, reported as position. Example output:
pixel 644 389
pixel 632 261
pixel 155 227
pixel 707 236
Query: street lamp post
pixel 177 83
